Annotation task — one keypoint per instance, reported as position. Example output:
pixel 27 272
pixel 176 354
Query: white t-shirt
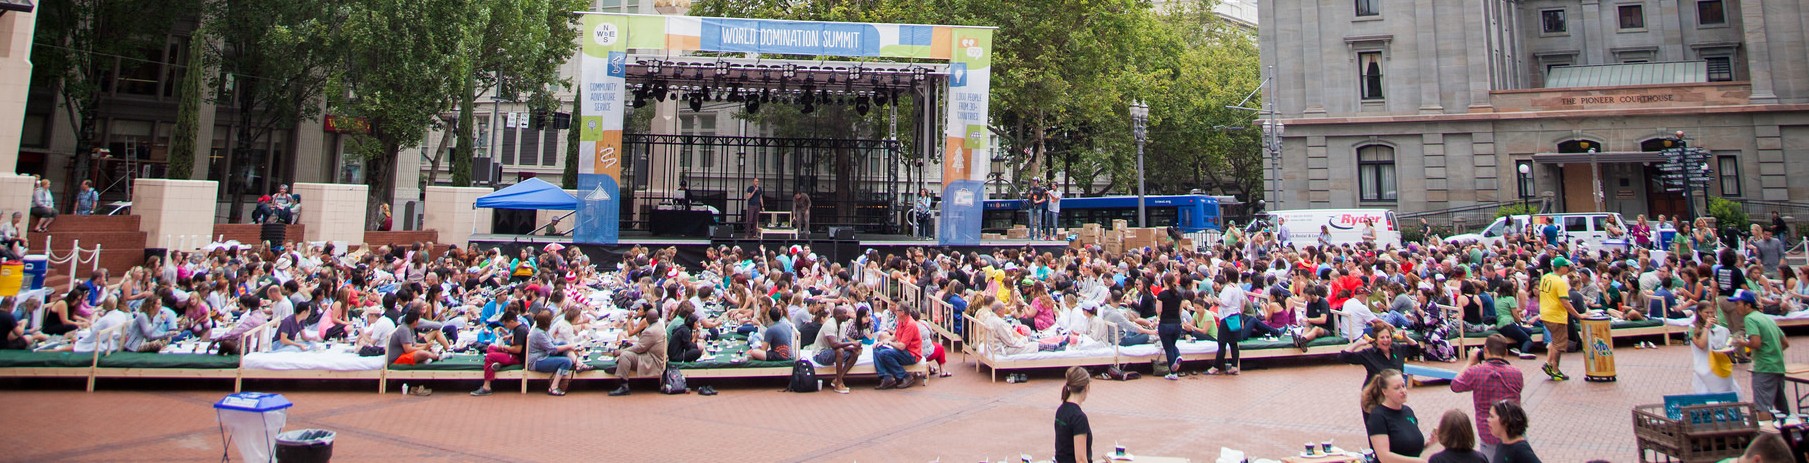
pixel 1356 317
pixel 87 342
pixel 379 331
pixel 1232 300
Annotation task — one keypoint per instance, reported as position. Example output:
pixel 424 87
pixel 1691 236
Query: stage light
pixel 879 96
pixel 640 98
pixel 753 106
pixel 706 93
pixel 765 96
pixel 790 71
pixel 697 100
pixel 808 108
pixel 722 68
pixel 653 67
pixel 860 105
pixel 659 95
pixel 919 75
pixel 895 97
pixel 854 74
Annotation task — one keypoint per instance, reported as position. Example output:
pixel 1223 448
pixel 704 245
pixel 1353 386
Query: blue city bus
pixel 1191 213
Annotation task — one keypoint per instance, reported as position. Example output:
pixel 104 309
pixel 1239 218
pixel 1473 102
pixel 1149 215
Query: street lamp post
pixel 1526 194
pixel 1139 125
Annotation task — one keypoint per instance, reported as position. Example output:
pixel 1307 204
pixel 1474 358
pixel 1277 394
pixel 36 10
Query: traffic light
pixel 540 118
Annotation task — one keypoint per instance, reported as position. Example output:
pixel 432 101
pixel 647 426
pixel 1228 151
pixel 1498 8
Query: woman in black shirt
pixel 1458 437
pixel 1394 432
pixel 1508 422
pixel 1168 323
pixel 1072 431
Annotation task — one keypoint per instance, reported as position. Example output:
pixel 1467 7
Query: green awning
pixel 1611 75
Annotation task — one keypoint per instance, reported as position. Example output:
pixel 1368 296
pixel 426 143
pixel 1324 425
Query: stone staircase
pixel 122 244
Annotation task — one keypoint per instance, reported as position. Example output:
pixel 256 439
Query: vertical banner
pixel 966 155
pixel 603 68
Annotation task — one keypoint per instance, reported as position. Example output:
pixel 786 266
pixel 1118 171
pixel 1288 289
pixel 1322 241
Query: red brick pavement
pixel 1265 411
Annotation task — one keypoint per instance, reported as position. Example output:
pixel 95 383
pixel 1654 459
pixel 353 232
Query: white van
pixel 1589 229
pixel 1345 225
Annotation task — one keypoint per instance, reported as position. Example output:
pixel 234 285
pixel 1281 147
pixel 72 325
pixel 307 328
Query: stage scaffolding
pixel 851 182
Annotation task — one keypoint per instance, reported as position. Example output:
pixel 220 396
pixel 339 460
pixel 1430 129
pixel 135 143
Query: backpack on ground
pixel 1118 373
pixel 672 382
pixel 804 377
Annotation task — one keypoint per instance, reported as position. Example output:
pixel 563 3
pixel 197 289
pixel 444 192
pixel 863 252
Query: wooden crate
pixel 1703 433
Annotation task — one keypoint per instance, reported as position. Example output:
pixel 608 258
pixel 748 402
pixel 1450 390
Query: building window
pixel 1710 13
pixel 1728 167
pixel 1369 7
pixel 1375 172
pixel 1552 21
pixel 1369 74
pixel 1720 68
pixel 1633 16
pixel 1523 171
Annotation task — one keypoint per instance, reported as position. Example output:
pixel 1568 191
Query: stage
pixel 691 250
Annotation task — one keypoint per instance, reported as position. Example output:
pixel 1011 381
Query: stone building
pixel 1429 105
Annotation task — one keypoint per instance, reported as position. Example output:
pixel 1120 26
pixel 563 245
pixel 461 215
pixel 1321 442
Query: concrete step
pixel 83 223
pixel 250 233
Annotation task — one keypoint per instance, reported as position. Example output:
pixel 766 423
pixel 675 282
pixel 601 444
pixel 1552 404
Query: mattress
pixel 29 359
pixel 321 361
pixel 1187 348
pixel 154 360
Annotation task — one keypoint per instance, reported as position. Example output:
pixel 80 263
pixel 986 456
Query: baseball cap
pixel 1742 295
pixel 1560 261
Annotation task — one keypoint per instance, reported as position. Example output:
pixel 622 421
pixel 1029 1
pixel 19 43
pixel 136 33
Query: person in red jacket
pixel 904 349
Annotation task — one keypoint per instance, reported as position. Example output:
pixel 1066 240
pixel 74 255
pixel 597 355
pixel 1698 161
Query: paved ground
pixel 1269 411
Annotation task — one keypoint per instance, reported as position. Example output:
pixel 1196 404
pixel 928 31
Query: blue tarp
pixel 532 193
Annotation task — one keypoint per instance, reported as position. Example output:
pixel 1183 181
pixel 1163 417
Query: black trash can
pixel 305 446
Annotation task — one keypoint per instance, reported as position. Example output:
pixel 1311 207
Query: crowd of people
pixel 552 311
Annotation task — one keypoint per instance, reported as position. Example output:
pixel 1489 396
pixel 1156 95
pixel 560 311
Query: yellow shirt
pixel 1553 290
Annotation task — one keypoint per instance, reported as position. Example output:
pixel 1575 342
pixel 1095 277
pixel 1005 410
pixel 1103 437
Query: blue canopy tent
pixel 532 193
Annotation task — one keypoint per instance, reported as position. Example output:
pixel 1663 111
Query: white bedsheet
pixel 866 357
pixel 327 361
pixel 1101 350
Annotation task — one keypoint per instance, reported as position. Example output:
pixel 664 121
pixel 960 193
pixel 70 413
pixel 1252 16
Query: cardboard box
pixel 1018 233
pixel 1120 224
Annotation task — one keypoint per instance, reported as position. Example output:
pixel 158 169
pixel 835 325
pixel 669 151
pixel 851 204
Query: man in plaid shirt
pixel 1492 380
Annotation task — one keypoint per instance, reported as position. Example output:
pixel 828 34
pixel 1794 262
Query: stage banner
pixel 607 39
pixel 603 67
pixel 967 152
pixel 963 204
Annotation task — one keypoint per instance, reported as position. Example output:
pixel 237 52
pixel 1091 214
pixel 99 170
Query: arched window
pixel 1580 146
pixel 1375 173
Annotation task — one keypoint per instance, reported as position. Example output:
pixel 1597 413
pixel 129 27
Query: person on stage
pixel 800 213
pixel 754 203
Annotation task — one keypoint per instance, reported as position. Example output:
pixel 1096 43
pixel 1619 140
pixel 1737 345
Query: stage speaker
pixel 841 233
pixel 722 231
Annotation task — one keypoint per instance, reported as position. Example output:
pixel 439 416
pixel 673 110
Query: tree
pixel 569 178
pixel 516 50
pixel 395 57
pixel 275 59
pixel 188 111
pixel 76 46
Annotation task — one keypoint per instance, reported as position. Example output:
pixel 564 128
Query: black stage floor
pixel 691 250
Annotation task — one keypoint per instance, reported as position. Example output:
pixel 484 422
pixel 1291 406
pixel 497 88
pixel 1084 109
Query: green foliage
pixel 1064 74
pixel 1728 214
pixel 188 111
pixel 396 54
pixel 74 48
pixel 1517 209
pixel 515 49
pixel 568 179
